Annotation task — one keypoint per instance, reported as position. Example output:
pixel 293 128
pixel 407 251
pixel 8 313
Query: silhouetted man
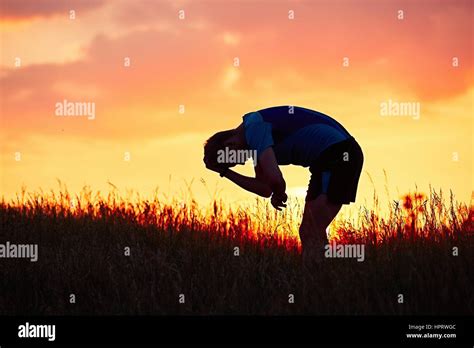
pixel 284 135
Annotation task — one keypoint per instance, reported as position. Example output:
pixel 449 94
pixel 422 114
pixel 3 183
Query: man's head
pixel 216 145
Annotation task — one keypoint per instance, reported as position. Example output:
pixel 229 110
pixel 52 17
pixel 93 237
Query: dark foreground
pixel 84 255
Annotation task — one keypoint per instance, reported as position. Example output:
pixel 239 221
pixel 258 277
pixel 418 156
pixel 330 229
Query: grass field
pixel 231 261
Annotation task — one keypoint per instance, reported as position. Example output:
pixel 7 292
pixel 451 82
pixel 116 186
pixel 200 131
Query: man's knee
pixel 322 211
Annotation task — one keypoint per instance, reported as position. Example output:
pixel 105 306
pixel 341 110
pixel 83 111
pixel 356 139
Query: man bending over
pixel 284 135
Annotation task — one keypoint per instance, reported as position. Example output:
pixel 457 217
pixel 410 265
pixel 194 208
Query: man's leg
pixel 318 214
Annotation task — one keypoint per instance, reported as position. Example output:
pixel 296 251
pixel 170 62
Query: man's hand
pixel 278 200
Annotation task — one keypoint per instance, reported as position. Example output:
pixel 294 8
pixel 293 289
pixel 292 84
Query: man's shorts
pixel 336 172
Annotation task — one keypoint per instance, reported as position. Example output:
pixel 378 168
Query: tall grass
pixel 231 260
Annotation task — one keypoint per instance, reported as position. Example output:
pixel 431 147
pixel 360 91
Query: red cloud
pixel 184 65
pixel 24 9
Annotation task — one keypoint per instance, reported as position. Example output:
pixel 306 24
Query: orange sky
pixel 190 62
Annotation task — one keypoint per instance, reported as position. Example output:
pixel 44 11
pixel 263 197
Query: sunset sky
pixel 343 58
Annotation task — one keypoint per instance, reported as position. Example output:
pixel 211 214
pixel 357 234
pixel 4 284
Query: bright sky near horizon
pixel 160 77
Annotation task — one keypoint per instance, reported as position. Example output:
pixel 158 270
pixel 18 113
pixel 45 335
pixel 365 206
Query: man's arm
pixel 247 183
pixel 250 184
pixel 269 171
pixel 268 179
pixel 267 168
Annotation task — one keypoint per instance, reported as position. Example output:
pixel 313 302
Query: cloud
pixel 26 9
pixel 139 101
pixel 176 62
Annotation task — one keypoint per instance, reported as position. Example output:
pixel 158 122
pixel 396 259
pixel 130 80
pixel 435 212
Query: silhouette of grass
pixel 177 247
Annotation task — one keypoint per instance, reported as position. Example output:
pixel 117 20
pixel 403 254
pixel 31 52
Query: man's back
pixel 298 135
pixel 288 119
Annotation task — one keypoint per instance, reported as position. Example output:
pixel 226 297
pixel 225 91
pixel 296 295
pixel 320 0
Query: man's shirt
pixel 297 138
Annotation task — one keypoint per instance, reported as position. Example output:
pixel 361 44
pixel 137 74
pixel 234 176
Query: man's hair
pixel 216 143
